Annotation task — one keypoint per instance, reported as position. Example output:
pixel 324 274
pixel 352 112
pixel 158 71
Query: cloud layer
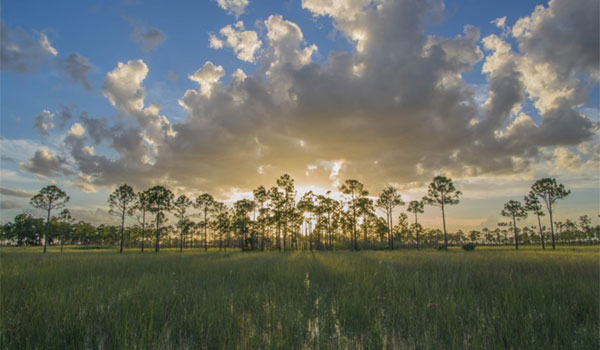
pixel 394 109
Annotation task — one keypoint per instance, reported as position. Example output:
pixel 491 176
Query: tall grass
pixel 489 299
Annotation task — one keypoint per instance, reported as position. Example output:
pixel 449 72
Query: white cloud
pixel 500 22
pixel 122 86
pixel 214 42
pixel 208 76
pixel 398 99
pixel 244 43
pixel 234 7
pixel 77 130
pixel 46 45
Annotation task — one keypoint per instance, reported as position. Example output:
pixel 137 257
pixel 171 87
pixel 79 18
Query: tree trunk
pixel 551 224
pixel 181 241
pixel 515 231
pixel 244 235
pixel 355 245
pixel 205 227
pixel 365 223
pixel 444 222
pixel 262 239
pixel 285 222
pixel 310 238
pixel 541 232
pixel 417 230
pixel 284 236
pixel 157 246
pixel 47 226
pixel 143 228
pixel 329 240
pixel 391 228
pixel 122 230
pixel 278 235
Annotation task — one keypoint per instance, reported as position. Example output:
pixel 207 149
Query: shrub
pixel 469 246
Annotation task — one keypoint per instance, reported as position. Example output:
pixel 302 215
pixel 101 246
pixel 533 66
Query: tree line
pixel 275 220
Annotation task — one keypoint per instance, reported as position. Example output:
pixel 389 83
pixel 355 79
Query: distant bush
pixel 469 246
pixel 92 247
pixel 440 247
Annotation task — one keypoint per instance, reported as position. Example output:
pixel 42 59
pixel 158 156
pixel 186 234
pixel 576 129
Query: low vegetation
pixel 406 299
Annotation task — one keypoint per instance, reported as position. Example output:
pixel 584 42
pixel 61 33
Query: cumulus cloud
pixel 46 163
pixel 20 52
pixel 233 7
pixel 244 43
pixel 556 84
pixel 77 68
pixel 77 130
pixel 393 109
pixel 122 86
pixel 207 77
pixel 135 136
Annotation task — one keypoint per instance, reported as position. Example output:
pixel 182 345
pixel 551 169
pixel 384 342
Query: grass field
pixel 487 299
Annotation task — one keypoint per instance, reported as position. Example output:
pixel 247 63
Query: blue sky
pixel 103 34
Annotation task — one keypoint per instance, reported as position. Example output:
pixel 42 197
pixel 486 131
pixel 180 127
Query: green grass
pixel 492 298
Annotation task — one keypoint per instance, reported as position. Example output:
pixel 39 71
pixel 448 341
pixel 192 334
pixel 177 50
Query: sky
pixel 222 96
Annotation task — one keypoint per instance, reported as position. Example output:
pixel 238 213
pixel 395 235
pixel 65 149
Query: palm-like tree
pixel 261 197
pixel 65 219
pixel 223 221
pixel 205 202
pixel 330 207
pixel 141 206
pixel 549 192
pixel 49 198
pixel 532 204
pixel 242 208
pixel 366 210
pixel 354 190
pixel 388 199
pixel 441 193
pixel 121 203
pixel 306 205
pixel 180 208
pixel 416 207
pixel 277 204
pixel 160 200
pixel 286 183
pixel 514 209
